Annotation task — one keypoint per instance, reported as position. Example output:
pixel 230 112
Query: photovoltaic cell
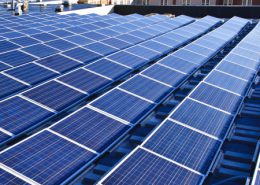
pixel 25 41
pixel 128 59
pixel 190 56
pixel 123 105
pixel 144 52
pixel 40 50
pixel 116 43
pixel 146 88
pixel 101 49
pixel 156 46
pixel 44 37
pixel 203 118
pixel 164 75
pixel 59 63
pixel 3 66
pixel 217 97
pixel 31 73
pixel 3 137
pixel 243 61
pixel 91 129
pixel 6 46
pixel 143 167
pixel 95 36
pixel 18 114
pixel 108 68
pixel 179 64
pixel 82 55
pixel 80 40
pixel 85 80
pixel 61 44
pixel 184 146
pixel 54 95
pixel 227 82
pixel 130 39
pixel 62 157
pixel 9 86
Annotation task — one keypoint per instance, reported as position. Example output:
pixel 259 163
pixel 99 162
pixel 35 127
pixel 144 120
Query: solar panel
pixel 25 41
pixel 116 43
pixel 141 34
pixel 184 146
pixel 108 69
pixel 82 55
pixel 61 44
pixel 190 56
pixel 156 46
pixel 3 66
pixel 146 168
pixel 146 88
pixel 178 64
pixel 3 137
pixel 85 80
pixel 40 50
pixel 19 114
pixel 8 178
pixel 31 73
pixel 44 37
pixel 164 75
pixel 228 82
pixel 59 63
pixel 168 42
pixel 7 46
pixel 130 39
pixel 202 117
pixel 108 32
pixel 217 97
pixel 243 61
pixel 16 58
pixel 31 157
pixel 95 36
pixel 90 128
pixel 79 40
pixel 54 95
pixel 236 70
pixel 144 52
pixel 12 34
pixel 101 48
pixel 128 59
pixel 121 104
pixel 200 49
pixel 9 86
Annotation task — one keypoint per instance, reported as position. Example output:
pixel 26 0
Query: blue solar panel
pixel 190 56
pixel 236 70
pixel 80 40
pixel 146 88
pixel 31 157
pixel 3 137
pixel 101 24
pixel 17 115
pixel 85 80
pixel 128 59
pixel 166 41
pixel 141 34
pixel 108 69
pixel 3 66
pixel 228 82
pixel 144 52
pixel 44 37
pixel 31 73
pixel 243 61
pixel 16 58
pixel 165 75
pixel 11 35
pixel 108 32
pixel 119 29
pixel 6 46
pixel 59 63
pixel 61 44
pixel 45 28
pixel 143 167
pixel 54 95
pixel 156 46
pixel 203 118
pixel 82 55
pixel 91 129
pixel 25 41
pixel 121 104
pixel 100 48
pixel 201 50
pixel 40 50
pixel 184 146
pixel 116 43
pixel 8 178
pixel 179 64
pixel 61 33
pixel 129 26
pixel 89 27
pixel 217 97
pixel 130 39
pixel 9 86
pixel 95 36
pixel 77 29
pixel 30 31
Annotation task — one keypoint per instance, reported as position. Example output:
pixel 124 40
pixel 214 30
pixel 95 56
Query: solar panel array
pixel 256 177
pixel 182 149
pixel 69 78
pixel 55 65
